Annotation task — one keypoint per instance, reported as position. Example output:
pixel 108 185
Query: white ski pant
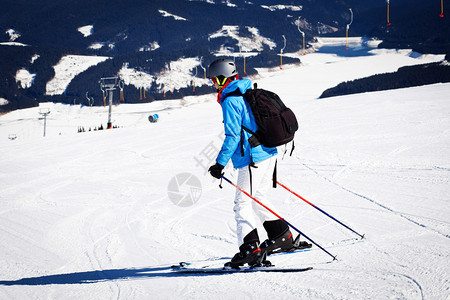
pixel 255 181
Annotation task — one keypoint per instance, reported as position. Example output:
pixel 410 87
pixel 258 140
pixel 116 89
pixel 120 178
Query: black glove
pixel 216 170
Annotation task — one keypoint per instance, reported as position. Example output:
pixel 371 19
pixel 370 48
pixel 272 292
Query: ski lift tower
pixel 201 66
pixel 44 112
pixel 303 34
pixel 108 85
pixel 281 53
pixel 348 27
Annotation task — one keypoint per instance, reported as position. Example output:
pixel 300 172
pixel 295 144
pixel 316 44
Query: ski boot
pixel 280 238
pixel 249 252
pixel 283 243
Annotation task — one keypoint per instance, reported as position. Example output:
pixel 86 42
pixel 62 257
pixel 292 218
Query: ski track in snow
pixel 336 170
pixel 400 214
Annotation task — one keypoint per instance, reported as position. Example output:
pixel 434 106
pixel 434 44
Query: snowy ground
pixel 89 215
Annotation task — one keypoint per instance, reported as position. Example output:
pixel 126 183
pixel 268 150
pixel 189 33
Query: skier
pixel 255 167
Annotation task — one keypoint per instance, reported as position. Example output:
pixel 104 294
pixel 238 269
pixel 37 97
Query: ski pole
pixel 278 216
pixel 319 209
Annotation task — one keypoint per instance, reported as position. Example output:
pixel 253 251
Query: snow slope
pixel 68 68
pixel 89 215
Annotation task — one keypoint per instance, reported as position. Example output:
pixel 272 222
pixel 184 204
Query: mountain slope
pixel 147 36
pixel 89 215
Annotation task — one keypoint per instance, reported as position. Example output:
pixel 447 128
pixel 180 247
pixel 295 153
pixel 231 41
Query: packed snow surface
pixel 13 35
pixel 166 14
pixel 86 30
pixel 256 42
pixel 92 215
pixel 34 58
pixel 24 78
pixel 14 44
pixel 282 7
pixel 68 68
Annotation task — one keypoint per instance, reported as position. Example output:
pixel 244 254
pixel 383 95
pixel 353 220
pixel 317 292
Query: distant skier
pixel 255 169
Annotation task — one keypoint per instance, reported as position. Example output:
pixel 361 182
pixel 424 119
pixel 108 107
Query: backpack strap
pixel 293 147
pixel 250 175
pixel 237 92
pixel 250 166
pixel 253 140
pixel 248 130
pixel 274 177
pixel 242 143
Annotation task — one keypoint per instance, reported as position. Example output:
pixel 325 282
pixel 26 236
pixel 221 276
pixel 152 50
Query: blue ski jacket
pixel 236 112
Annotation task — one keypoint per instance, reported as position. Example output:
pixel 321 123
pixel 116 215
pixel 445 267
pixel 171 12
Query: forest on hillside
pixel 409 76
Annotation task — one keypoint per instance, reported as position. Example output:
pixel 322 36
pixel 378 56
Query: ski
pixel 295 250
pixel 215 265
pixel 209 270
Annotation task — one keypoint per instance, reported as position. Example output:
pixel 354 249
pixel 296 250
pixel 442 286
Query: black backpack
pixel 277 123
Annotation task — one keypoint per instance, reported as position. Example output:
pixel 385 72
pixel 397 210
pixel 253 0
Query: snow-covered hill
pixel 90 215
pixel 38 38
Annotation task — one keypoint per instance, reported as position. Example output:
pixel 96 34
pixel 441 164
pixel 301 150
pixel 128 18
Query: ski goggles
pixel 221 80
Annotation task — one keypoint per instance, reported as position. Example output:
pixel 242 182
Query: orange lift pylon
pixel 121 86
pixel 303 35
pixel 388 21
pixel 281 53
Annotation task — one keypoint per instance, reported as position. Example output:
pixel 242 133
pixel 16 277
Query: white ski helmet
pixel 222 67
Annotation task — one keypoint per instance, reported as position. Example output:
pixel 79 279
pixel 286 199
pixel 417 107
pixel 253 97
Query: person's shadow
pixel 99 276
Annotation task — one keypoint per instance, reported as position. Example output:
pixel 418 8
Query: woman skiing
pixel 255 167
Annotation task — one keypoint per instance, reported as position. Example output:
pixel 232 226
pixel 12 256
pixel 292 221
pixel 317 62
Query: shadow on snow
pixel 352 51
pixel 90 277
